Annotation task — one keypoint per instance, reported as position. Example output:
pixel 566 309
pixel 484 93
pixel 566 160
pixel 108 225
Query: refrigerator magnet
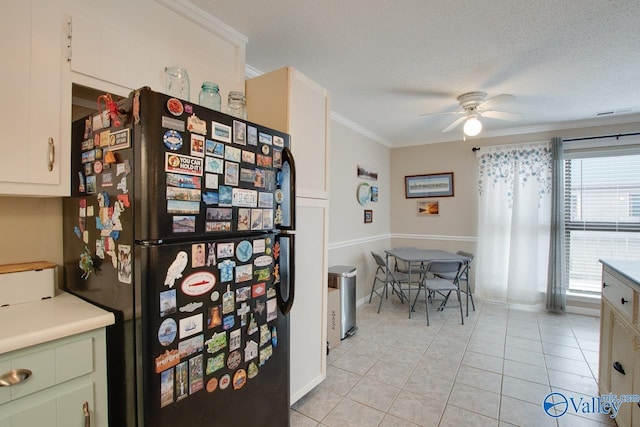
pixel 184 224
pixel 215 363
pixel 225 380
pixel 235 339
pixel 243 294
pixel 172 140
pixel 228 322
pixel 248 157
pixel 198 283
pixel 250 351
pixel 184 164
pixel 166 360
pixel 265 354
pixel 182 380
pixel 166 388
pixel 228 301
pixel 167 332
pixel 176 268
pixel 191 346
pixel 175 124
pixel 239 379
pixel 234 359
pixel 225 250
pixel 212 384
pixel 278 141
pixel 265 334
pixel 175 106
pixel 197 125
pixel 264 138
pixel 197 255
pixel 252 370
pixel 196 381
pixel 211 254
pixel 242 312
pixel 197 145
pixel 191 307
pixel 119 140
pixel 232 154
pixel 265 161
pixel 252 329
pixel 213 165
pixel 244 251
pixel 190 325
pixel 239 133
pixel 214 319
pixel 220 132
pixel 226 269
pixel 217 342
pixel 252 135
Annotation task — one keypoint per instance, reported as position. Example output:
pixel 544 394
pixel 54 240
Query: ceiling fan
pixel 474 105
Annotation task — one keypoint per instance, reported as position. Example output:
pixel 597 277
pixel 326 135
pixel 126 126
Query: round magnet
pixel 225 380
pixel 215 296
pixel 265 149
pixel 167 332
pixel 97 166
pixel 172 140
pixel 244 250
pixel 175 106
pixel 234 359
pixel 212 385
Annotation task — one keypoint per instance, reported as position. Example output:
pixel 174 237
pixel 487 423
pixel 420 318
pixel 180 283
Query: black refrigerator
pixel 181 221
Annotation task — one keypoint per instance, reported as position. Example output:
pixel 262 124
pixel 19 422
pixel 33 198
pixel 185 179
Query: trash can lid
pixel 342 271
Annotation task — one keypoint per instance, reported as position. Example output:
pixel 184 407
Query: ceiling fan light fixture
pixel 472 126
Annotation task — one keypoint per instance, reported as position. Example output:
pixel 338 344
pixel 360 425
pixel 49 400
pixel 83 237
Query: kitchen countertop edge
pixel 37 322
pixel 627 268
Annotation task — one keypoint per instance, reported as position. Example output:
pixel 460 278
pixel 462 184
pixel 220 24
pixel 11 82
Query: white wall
pixel 350 239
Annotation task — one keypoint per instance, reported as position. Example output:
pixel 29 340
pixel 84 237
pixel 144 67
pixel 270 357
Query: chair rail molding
pixel 434 237
pixel 356 242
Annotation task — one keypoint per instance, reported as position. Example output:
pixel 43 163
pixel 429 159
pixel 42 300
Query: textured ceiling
pixel 385 62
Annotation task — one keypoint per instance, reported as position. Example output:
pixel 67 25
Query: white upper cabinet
pixel 50 45
pixel 34 158
pixel 289 101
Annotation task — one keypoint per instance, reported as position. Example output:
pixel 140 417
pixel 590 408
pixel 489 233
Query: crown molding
pixel 203 19
pixel 359 129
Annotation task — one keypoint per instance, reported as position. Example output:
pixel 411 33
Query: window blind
pixel 602 211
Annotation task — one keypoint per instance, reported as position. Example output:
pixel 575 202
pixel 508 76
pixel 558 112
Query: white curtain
pixel 514 186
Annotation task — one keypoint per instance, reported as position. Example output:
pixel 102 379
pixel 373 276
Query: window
pixel 602 212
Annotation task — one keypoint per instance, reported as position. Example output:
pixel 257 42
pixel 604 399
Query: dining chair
pixel 435 285
pixel 464 276
pixel 387 277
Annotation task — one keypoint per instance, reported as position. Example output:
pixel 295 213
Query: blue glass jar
pixel 210 96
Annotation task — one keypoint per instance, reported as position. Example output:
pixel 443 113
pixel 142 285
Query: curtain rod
pixel 617 136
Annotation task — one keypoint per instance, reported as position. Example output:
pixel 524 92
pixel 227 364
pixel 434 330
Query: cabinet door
pixel 30 113
pixel 37 415
pixel 308 314
pixel 605 349
pixel 71 407
pixel 309 136
pixel 622 359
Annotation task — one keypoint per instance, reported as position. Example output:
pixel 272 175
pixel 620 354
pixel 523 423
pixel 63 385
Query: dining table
pixel 416 258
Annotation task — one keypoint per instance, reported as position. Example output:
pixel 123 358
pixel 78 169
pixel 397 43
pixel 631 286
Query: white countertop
pixel 628 268
pixel 32 323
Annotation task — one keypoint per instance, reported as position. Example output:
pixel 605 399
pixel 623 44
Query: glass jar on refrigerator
pixel 210 96
pixel 236 106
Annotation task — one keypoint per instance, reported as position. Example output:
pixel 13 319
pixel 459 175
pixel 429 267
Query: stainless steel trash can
pixel 343 277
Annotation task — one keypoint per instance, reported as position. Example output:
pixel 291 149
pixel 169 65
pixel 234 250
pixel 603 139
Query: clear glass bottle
pixel 177 82
pixel 210 96
pixel 236 106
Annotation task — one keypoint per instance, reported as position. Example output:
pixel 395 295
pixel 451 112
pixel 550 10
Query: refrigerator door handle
pixel 285 306
pixel 287 157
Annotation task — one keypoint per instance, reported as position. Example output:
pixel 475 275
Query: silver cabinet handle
pixel 14 376
pixel 52 154
pixel 87 414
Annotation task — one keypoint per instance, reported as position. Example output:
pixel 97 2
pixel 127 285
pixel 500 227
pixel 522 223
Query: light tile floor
pixel 495 370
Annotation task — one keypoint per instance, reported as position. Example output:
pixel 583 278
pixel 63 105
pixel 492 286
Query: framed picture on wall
pixel 428 208
pixel 430 185
pixel 374 193
pixel 368 216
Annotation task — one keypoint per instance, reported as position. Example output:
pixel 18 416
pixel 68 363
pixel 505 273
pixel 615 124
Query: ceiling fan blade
pixel 502 115
pixel 495 100
pixel 454 124
pixel 442 113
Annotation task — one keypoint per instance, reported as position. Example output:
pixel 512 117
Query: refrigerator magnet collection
pixel 181 208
